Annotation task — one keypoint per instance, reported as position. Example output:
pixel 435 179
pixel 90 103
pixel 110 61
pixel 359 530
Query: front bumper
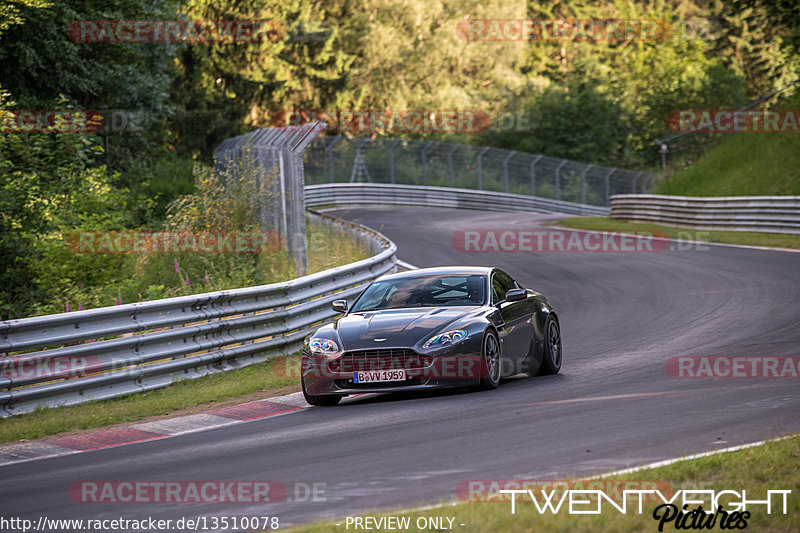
pixel 460 365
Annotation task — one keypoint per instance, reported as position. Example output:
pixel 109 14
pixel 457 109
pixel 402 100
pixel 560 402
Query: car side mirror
pixel 340 306
pixel 515 295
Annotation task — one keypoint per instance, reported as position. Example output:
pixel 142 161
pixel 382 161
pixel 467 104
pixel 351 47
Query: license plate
pixel 375 376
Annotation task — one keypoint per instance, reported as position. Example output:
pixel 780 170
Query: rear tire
pixel 490 361
pixel 322 401
pixel 551 358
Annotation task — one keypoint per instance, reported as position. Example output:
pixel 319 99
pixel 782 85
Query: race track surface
pixel 613 405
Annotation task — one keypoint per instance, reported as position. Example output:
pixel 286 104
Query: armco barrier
pixel 770 214
pixel 386 194
pixel 75 357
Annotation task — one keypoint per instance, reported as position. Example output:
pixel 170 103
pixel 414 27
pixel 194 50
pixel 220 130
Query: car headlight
pixel 443 339
pixel 320 346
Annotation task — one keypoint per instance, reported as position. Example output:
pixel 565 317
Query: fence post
pixel 296 234
pixel 533 174
pixel 425 162
pixel 505 168
pixel 450 163
pixel 583 184
pixel 663 149
pixel 607 185
pixel 391 159
pixel 282 173
pixel 265 184
pixel 330 156
pixel 359 167
pixel 558 178
pixel 480 167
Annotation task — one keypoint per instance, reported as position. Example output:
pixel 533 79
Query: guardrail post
pixel 450 163
pixel 330 156
pixel 607 185
pixel 425 162
pixel 533 174
pixel 391 159
pixel 505 168
pixel 583 183
pixel 480 167
pixel 558 179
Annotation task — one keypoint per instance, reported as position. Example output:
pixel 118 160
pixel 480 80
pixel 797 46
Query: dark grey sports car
pixel 432 328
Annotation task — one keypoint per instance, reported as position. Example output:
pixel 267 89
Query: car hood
pixel 400 327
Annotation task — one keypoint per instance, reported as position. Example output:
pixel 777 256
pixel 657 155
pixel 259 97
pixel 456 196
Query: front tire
pixel 322 401
pixel 551 358
pixel 490 360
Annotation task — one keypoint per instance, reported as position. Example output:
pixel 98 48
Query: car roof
pixel 454 270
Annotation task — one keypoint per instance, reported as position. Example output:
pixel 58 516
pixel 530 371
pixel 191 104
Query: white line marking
pixel 405 265
pixel 668 462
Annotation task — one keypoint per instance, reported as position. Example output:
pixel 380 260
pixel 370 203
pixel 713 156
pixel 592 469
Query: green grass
pixel 745 164
pixel 258 380
pixel 775 240
pixel 99 280
pixel 772 466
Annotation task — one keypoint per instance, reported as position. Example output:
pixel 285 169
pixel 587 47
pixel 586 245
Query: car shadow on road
pixel 511 382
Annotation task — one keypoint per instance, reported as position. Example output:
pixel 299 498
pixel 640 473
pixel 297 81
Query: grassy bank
pixel 774 240
pixel 745 164
pixel 756 470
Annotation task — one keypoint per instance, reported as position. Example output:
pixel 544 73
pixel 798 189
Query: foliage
pixel 600 102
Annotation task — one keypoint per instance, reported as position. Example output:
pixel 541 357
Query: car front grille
pixel 380 359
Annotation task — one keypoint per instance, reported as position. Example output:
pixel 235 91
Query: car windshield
pixel 424 291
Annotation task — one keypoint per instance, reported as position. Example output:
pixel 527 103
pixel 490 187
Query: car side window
pixel 497 289
pixel 501 284
pixel 509 282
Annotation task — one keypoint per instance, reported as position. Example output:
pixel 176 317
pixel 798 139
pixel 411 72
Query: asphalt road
pixel 613 405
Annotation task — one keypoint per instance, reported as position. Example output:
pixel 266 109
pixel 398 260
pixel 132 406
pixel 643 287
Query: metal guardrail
pixel 769 214
pixel 102 353
pixel 383 194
